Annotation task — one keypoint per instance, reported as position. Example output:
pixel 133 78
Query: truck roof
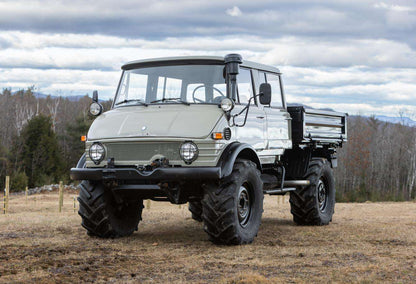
pixel 185 60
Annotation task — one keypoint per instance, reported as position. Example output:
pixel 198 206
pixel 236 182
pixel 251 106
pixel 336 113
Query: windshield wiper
pixel 179 100
pixel 135 100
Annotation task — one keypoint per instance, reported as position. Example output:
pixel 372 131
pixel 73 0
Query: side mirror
pixel 95 108
pixel 95 96
pixel 265 93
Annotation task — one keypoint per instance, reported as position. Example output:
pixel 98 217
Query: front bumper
pixel 157 175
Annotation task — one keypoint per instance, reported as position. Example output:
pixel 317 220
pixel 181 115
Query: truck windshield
pixel 186 84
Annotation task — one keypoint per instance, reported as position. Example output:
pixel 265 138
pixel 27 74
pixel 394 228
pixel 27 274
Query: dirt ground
pixel 369 242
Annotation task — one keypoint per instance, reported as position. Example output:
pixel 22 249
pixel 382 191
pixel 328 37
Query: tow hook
pixel 160 163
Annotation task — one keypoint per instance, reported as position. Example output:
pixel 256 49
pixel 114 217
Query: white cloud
pixel 93 50
pixel 65 82
pixel 367 109
pixel 397 8
pixel 234 12
pixel 356 55
pixel 359 52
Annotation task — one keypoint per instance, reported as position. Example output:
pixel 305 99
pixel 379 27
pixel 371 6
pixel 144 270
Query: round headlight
pixel 97 153
pixel 188 152
pixel 96 109
pixel 227 104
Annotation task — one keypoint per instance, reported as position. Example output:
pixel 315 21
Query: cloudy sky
pixel 355 56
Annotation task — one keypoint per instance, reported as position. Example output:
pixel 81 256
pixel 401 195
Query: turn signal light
pixel 83 138
pixel 217 135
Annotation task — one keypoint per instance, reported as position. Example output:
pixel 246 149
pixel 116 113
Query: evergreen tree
pixel 74 147
pixel 38 152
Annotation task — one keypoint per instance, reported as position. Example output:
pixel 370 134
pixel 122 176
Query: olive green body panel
pixel 138 135
pixel 161 120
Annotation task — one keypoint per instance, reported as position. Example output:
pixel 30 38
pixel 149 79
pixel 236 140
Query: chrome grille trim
pixel 142 151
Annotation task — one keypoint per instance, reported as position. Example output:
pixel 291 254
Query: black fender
pixel 232 152
pixel 82 161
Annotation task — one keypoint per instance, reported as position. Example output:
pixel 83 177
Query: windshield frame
pixel 166 101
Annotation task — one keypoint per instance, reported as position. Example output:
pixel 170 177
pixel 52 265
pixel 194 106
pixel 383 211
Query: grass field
pixel 367 242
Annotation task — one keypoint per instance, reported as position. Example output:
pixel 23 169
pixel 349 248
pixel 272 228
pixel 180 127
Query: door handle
pixel 260 117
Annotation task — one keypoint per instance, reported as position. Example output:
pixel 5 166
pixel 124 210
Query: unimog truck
pixel 214 132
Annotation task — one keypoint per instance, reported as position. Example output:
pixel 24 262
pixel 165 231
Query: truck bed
pixel 311 125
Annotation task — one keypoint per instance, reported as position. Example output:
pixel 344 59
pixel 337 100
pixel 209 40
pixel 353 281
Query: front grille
pixel 142 151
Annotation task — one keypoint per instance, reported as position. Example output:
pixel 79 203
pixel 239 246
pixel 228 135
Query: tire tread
pixel 304 207
pixel 218 206
pixel 94 211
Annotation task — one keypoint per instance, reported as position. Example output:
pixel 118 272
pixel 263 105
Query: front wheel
pixel 102 216
pixel 196 209
pixel 314 204
pixel 232 210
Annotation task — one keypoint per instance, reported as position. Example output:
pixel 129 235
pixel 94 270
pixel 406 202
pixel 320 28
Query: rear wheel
pixel 102 216
pixel 314 204
pixel 232 211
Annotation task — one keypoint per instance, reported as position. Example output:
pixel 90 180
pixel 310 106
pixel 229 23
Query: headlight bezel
pixel 92 154
pixel 227 105
pixel 97 107
pixel 192 148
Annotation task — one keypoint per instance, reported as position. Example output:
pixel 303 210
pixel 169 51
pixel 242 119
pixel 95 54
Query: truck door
pixel 254 131
pixel 278 119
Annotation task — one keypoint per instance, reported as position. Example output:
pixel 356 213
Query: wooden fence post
pixel 26 193
pixel 75 204
pixel 6 196
pixel 61 195
pixel 4 201
pixel 148 204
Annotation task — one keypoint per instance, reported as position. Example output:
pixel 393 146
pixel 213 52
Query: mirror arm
pixel 246 108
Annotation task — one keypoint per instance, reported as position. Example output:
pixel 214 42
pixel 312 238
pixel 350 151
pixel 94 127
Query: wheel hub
pixel 322 195
pixel 244 206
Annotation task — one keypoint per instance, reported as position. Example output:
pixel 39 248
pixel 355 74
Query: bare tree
pixel 52 105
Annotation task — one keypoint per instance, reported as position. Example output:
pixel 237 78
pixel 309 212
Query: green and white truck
pixel 214 132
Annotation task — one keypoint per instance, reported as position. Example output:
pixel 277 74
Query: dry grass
pixel 370 242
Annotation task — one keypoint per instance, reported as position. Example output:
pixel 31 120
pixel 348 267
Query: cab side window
pixel 245 87
pixel 274 82
pixel 262 79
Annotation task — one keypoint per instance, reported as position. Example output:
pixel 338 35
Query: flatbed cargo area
pixel 309 125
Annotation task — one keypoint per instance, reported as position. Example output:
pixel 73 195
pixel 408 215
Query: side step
pixel 279 191
pixel 273 186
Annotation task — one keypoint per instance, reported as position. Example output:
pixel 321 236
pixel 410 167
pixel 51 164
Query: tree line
pixel 40 137
pixel 40 142
pixel 378 163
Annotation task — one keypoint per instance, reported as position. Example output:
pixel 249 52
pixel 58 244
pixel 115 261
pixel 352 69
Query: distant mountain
pixel 306 107
pixel 72 98
pixel 402 120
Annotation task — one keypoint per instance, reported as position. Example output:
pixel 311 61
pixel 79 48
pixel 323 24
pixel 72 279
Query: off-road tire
pixel 102 217
pixel 196 209
pixel 307 205
pixel 221 212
